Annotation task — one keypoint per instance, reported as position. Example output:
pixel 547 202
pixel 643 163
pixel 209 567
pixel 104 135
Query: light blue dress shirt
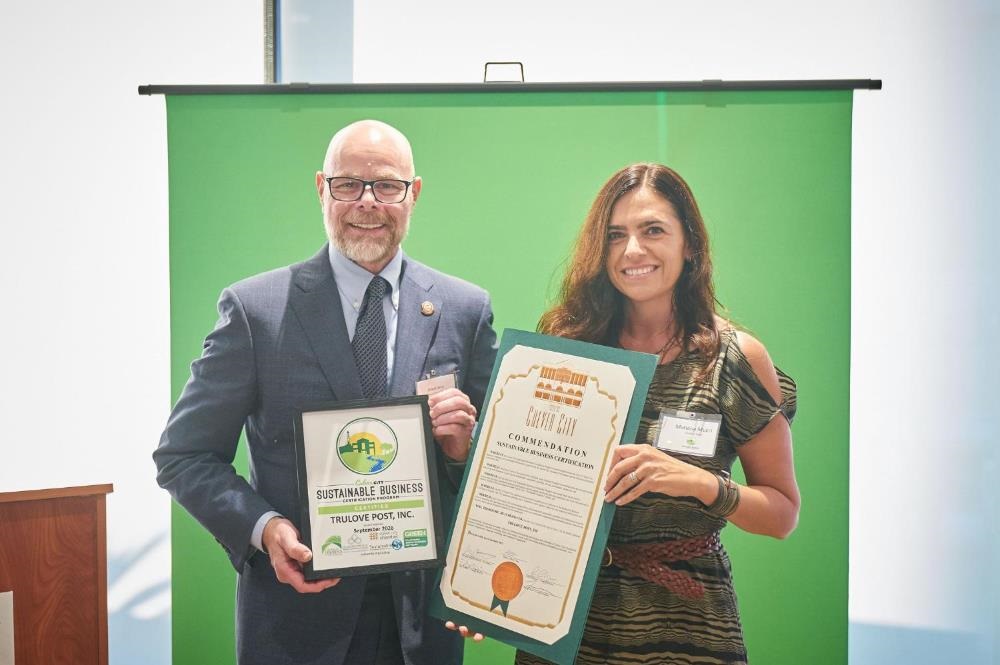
pixel 352 283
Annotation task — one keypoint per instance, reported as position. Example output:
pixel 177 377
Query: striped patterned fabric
pixel 633 621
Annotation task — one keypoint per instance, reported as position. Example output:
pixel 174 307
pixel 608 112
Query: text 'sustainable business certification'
pixel 535 489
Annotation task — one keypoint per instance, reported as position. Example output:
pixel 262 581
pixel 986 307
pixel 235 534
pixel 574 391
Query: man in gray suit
pixel 283 340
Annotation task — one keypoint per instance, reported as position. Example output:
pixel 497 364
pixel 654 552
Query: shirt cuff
pixel 257 536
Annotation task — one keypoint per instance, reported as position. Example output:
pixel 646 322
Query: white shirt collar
pixel 352 280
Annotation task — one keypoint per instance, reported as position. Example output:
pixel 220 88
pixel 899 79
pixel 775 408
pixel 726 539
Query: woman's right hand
pixel 464 631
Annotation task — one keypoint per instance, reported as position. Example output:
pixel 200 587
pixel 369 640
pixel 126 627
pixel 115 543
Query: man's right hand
pixel 281 542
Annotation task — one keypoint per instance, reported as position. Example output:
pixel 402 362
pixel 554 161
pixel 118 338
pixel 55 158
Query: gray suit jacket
pixel 281 342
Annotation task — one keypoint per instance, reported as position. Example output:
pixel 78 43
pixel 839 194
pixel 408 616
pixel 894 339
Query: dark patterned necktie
pixel 369 340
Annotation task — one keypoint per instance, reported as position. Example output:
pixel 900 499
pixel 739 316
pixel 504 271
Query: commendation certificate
pixel 534 489
pixel 367 485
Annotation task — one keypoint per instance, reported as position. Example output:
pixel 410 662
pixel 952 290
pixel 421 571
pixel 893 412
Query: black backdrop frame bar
pixel 620 86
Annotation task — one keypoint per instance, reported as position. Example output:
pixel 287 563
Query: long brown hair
pixel 589 308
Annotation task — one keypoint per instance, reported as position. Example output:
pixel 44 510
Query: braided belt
pixel 646 560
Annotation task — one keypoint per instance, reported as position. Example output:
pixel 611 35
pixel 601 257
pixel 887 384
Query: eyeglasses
pixel 351 189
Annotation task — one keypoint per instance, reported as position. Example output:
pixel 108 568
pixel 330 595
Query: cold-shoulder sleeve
pixel 747 407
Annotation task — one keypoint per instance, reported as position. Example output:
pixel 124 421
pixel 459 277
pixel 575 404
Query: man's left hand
pixel 452 419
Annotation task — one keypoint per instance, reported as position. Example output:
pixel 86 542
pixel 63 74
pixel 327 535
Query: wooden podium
pixel 53 556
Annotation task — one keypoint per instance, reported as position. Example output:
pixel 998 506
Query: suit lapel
pixel 316 302
pixel 414 330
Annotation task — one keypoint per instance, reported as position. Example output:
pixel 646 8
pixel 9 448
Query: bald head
pixel 385 145
pixel 368 230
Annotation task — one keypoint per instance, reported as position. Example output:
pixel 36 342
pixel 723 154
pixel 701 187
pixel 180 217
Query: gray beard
pixel 365 250
pixel 362 251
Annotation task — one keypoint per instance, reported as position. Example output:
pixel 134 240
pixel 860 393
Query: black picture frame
pixel 435 555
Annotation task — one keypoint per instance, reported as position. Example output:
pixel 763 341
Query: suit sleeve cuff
pixel 257 536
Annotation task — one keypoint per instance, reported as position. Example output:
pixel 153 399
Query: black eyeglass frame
pixel 367 184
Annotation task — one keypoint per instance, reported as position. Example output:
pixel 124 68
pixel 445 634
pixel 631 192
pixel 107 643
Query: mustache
pixel 377 216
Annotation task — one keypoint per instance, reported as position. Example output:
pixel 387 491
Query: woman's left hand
pixel 638 468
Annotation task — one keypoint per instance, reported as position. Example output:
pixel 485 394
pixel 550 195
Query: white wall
pixel 83 263
pixel 924 516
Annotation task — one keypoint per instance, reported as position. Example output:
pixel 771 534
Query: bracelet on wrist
pixel 728 499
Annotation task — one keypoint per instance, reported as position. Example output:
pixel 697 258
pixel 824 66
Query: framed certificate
pixel 367 476
pixel 531 524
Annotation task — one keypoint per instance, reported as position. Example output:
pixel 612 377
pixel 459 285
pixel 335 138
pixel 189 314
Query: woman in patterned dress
pixel 641 279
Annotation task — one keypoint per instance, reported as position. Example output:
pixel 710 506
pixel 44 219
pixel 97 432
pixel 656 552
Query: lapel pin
pixel 427 308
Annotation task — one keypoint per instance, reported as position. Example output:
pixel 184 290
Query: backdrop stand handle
pixel 486 69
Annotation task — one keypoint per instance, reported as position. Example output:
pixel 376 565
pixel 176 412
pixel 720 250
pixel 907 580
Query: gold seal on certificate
pixel 368 487
pixel 534 489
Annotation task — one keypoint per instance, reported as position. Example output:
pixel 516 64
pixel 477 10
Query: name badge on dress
pixel 688 433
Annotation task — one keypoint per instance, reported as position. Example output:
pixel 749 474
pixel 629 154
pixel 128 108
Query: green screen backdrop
pixel 508 177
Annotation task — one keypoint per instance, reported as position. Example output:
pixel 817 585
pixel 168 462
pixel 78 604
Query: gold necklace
pixel 672 341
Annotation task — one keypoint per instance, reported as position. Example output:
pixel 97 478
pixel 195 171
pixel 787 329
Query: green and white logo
pixel 415 538
pixel 332 545
pixel 367 446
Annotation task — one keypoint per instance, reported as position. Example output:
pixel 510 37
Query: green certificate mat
pixel 531 524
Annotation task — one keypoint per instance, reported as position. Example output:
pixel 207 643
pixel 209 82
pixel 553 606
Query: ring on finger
pixel 634 477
